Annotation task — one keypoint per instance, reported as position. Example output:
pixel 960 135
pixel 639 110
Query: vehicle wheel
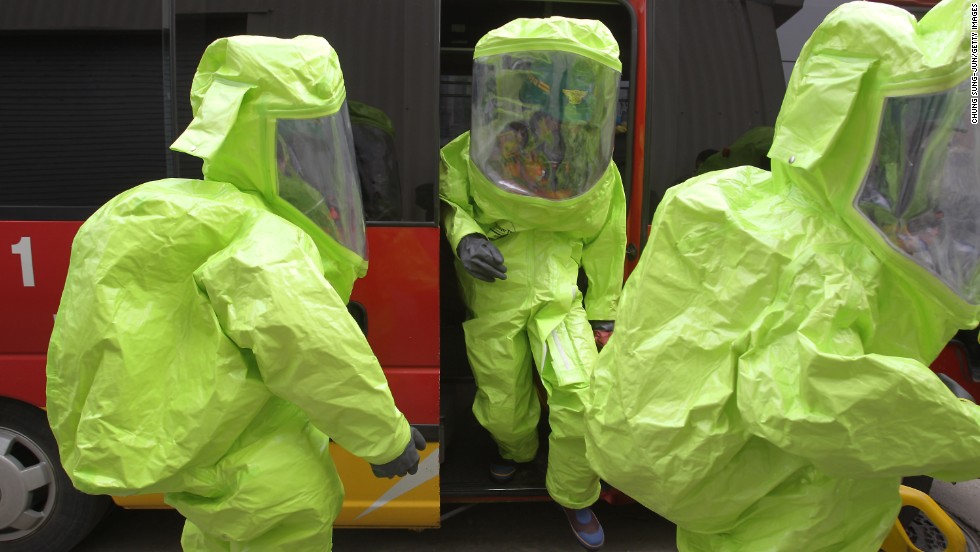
pixel 40 510
pixel 927 537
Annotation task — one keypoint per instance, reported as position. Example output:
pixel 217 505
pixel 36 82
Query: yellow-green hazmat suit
pixel 535 176
pixel 202 348
pixel 768 384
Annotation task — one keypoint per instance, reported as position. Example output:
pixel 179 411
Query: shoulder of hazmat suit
pixel 561 71
pixel 768 383
pixel 200 318
pixel 749 149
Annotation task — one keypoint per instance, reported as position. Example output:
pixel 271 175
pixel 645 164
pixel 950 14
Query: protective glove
pixel 602 330
pixel 481 258
pixel 406 463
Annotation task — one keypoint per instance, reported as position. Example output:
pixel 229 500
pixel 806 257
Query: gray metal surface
pixel 716 73
pixel 24 470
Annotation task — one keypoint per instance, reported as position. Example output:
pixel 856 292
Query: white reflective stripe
pixel 315 205
pixel 561 353
pixel 428 469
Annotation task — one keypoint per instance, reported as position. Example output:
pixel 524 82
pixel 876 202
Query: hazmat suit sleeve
pixel 856 414
pixel 604 255
pixel 271 299
pixel 454 191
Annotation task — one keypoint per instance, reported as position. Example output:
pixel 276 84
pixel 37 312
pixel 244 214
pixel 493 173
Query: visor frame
pixel 556 100
pixel 324 241
pixel 856 219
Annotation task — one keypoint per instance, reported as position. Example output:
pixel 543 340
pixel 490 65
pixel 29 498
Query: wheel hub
pixel 24 471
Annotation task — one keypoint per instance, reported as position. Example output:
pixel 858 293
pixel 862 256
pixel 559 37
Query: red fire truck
pixel 95 91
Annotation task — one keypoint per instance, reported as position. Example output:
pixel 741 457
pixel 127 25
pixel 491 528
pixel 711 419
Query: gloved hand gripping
pixel 406 463
pixel 481 258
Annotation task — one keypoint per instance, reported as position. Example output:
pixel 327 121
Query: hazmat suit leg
pixel 276 490
pixel 193 538
pixel 498 350
pixel 565 356
pixel 812 512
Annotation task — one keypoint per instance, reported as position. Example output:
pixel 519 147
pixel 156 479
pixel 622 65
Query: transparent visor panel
pixel 318 175
pixel 543 123
pixel 922 189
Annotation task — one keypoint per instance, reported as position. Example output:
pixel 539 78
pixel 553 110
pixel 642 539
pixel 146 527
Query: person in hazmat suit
pixel 377 164
pixel 768 385
pixel 751 148
pixel 533 185
pixel 202 348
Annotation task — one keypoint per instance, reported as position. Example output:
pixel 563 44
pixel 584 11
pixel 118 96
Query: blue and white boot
pixel 502 470
pixel 586 527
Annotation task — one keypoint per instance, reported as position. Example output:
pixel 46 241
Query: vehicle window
pixel 102 92
pixel 83 117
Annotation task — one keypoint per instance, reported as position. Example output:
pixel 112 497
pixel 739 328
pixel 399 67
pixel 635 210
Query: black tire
pixel 927 537
pixel 40 510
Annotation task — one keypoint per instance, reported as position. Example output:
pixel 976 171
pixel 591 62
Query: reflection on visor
pixel 922 191
pixel 377 169
pixel 317 175
pixel 543 122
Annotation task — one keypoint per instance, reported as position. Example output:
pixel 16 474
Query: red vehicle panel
pixel 401 296
pixel 954 361
pixel 34 264
pixel 634 215
pixel 402 273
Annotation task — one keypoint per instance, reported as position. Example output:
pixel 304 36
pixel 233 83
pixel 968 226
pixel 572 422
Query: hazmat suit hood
pixel 270 117
pixel 545 93
pixel 876 122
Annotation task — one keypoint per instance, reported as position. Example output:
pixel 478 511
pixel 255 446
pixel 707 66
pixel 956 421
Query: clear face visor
pixel 922 191
pixel 543 122
pixel 318 175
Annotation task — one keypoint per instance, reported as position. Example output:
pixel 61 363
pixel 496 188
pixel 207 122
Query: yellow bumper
pixel 411 501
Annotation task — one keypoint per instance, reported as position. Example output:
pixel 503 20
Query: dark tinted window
pixel 93 108
pixel 82 106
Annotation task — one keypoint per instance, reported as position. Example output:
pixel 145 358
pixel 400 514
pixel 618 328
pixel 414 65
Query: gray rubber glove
pixel 406 463
pixel 481 258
